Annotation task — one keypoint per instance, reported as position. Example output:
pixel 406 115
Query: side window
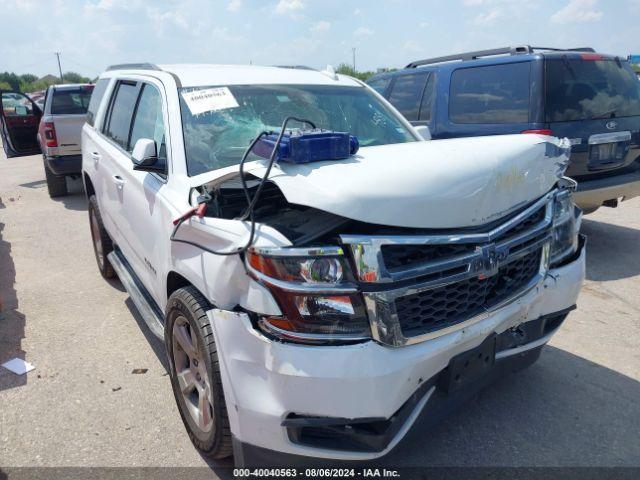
pixel 406 94
pixel 16 105
pixel 148 121
pixel 380 84
pixel 96 99
pixel 491 94
pixel 118 123
pixel 426 107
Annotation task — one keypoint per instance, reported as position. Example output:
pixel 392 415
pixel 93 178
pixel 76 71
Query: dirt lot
pixel 82 406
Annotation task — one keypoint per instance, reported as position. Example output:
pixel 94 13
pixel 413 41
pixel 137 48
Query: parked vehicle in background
pixel 591 98
pixel 19 120
pixel 316 309
pixel 64 113
pixel 38 98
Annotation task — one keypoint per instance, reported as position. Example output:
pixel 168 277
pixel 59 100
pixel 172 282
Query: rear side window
pixel 379 84
pixel 406 94
pixel 580 89
pixel 148 122
pixel 71 101
pixel 119 121
pixel 491 94
pixel 96 99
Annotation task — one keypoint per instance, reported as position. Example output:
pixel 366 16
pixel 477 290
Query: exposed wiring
pixel 251 202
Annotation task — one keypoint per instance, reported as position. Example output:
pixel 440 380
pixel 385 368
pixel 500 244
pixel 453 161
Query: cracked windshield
pixel 216 139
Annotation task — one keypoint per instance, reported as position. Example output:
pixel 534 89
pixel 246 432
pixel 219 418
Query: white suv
pixel 316 309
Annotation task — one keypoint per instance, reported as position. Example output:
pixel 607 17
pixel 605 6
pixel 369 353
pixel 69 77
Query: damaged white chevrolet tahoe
pixel 320 274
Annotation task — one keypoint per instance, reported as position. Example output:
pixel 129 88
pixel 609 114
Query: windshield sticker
pixel 209 100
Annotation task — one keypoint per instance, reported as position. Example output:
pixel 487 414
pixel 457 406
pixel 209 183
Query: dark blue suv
pixel 592 99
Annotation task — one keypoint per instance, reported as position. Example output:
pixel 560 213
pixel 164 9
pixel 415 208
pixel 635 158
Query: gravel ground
pixel 82 406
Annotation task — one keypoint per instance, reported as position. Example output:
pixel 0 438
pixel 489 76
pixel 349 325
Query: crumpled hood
pixel 432 184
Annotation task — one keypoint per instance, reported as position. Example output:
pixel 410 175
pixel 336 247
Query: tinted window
pixel 67 101
pixel 427 99
pixel 96 98
pixel 119 121
pixel 585 89
pixel 379 84
pixel 218 138
pixel 148 122
pixel 492 94
pixel 406 94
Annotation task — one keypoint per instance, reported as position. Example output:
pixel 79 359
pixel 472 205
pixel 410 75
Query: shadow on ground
pixel 75 199
pixel 12 321
pixel 613 252
pixel 156 345
pixel 562 411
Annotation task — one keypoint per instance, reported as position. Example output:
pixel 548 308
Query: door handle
pixel 119 181
pixel 96 157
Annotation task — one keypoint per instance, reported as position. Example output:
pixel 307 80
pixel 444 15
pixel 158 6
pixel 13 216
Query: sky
pixel 92 34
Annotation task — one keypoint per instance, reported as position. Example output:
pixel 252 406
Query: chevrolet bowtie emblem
pixel 489 259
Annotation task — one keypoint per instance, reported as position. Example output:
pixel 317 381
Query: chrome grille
pixel 420 287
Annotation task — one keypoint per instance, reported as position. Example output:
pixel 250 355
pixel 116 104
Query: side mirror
pixel 145 157
pixel 424 132
pixel 144 153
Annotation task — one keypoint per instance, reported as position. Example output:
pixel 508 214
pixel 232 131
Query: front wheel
pixel 195 373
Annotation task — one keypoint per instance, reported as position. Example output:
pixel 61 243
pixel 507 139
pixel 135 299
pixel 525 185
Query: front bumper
pixel 591 194
pixel 267 383
pixel 64 165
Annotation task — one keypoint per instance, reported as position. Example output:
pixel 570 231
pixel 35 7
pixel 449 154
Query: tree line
pixel 28 82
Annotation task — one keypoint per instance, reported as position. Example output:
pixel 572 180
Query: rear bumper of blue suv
pixel 591 194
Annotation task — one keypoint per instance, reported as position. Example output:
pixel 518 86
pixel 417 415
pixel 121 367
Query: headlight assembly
pixel 566 224
pixel 316 292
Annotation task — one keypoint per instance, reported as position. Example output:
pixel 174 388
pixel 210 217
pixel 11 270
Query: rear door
pixel 19 119
pixel 68 111
pixel 594 101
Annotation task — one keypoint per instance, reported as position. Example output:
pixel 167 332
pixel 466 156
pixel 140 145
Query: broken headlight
pixel 566 224
pixel 316 292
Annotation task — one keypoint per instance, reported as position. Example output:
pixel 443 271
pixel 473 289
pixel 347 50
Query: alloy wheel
pixel 192 375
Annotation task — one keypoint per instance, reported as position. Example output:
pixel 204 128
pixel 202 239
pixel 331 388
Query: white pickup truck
pixel 318 309
pixel 63 115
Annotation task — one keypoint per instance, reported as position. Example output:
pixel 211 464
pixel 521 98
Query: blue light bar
pixel 304 146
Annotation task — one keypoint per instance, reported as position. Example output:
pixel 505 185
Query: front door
pixel 132 197
pixel 19 119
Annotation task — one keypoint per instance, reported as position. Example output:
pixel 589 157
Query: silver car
pixel 64 113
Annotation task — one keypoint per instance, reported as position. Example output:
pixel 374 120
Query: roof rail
pixel 580 49
pixel 295 67
pixel 515 50
pixel 134 66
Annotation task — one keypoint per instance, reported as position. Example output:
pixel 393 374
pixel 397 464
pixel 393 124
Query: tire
pixel 57 185
pixel 186 326
pixel 102 245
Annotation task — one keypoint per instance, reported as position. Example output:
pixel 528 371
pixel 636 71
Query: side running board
pixel 150 313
